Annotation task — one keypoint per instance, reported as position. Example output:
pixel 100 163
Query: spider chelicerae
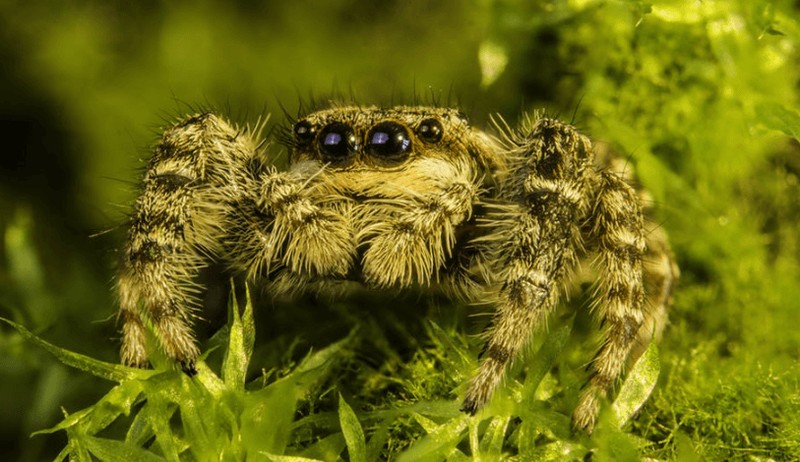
pixel 398 198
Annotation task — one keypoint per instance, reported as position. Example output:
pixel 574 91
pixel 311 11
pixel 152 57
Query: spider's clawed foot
pixel 188 367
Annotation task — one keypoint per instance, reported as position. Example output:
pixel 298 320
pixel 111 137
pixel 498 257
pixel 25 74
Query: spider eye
pixel 430 130
pixel 337 141
pixel 388 140
pixel 304 132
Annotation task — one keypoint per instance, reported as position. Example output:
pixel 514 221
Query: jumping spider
pixel 397 198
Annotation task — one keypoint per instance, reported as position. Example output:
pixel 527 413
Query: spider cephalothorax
pixel 397 198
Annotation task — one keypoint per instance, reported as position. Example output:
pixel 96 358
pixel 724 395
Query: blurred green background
pixel 702 96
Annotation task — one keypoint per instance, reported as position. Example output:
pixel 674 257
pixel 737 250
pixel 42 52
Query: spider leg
pixel 284 220
pixel 175 228
pixel 617 227
pixel 661 273
pixel 409 238
pixel 535 241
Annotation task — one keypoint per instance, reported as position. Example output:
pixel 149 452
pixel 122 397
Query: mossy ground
pixel 701 96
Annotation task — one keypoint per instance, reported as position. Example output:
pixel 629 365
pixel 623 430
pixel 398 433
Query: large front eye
pixel 304 132
pixel 337 141
pixel 388 140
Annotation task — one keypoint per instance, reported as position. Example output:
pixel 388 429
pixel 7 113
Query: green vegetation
pixel 169 416
pixel 702 97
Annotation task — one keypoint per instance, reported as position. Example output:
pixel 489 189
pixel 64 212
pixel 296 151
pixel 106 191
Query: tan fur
pixel 490 220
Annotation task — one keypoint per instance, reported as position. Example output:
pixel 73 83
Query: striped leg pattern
pixel 533 242
pixel 618 231
pixel 176 226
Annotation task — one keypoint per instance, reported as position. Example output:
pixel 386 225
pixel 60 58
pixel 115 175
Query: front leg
pixel 293 220
pixel 408 239
pixel 534 240
pixel 176 226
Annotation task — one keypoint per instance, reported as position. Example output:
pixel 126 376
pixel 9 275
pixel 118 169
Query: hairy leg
pixel 409 237
pixel 174 229
pixel 617 228
pixel 291 220
pixel 661 273
pixel 535 241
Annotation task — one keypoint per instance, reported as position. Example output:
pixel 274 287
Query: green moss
pixel 162 413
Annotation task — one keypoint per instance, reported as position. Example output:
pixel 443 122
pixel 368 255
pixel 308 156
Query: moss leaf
pixel 638 385
pixel 778 117
pixel 116 402
pixel 117 451
pixel 240 344
pixel 353 433
pixel 438 443
pixel 104 370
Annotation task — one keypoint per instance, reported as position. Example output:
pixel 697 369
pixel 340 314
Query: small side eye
pixel 337 141
pixel 430 131
pixel 388 140
pixel 304 132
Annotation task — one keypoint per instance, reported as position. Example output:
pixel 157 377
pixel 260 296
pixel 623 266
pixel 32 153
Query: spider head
pixel 358 138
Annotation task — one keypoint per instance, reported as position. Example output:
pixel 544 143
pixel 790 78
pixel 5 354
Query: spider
pixel 398 198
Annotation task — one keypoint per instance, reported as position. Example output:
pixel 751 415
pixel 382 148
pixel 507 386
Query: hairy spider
pixel 398 198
